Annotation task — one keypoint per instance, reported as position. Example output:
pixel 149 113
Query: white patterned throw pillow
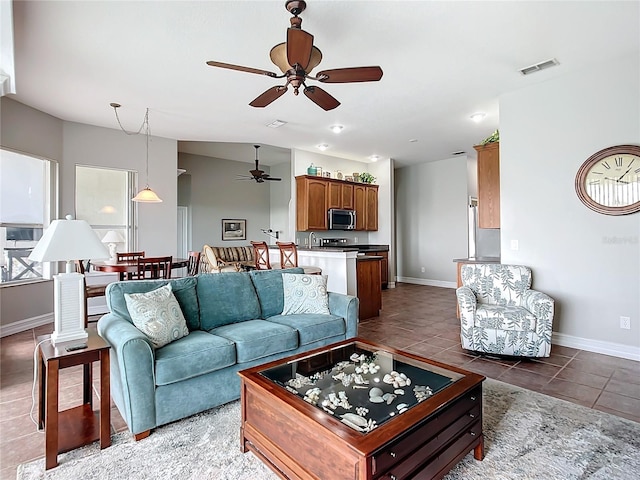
pixel 157 314
pixel 305 294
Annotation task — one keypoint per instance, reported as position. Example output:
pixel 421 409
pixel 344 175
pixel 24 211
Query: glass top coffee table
pixel 360 410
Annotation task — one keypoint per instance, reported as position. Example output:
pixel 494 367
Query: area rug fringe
pixel 527 436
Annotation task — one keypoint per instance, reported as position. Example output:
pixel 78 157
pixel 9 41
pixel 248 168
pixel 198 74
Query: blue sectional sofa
pixel 234 322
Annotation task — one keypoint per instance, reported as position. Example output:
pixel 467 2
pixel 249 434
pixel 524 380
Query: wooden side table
pixel 80 425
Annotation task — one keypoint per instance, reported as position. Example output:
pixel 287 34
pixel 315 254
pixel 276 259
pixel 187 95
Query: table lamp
pixel 68 240
pixel 111 238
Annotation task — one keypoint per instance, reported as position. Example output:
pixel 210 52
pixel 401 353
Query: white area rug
pixel 527 436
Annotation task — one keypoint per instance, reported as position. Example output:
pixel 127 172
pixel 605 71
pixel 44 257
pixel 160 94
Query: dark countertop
pixel 367 258
pixel 477 260
pixel 348 248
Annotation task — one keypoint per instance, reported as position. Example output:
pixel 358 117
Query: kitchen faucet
pixel 311 236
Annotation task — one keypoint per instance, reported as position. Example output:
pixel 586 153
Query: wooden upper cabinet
pixel 371 192
pixel 340 194
pixel 365 202
pixel 312 203
pixel 315 195
pixel 360 206
pixel 488 185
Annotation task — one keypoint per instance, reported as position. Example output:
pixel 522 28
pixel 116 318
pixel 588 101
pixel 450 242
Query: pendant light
pixel 146 195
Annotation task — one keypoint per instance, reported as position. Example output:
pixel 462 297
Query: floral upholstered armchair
pixel 500 314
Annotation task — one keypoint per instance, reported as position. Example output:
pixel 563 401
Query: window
pixel 103 199
pixel 27 205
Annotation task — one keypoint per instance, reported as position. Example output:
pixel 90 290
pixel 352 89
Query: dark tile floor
pixel 417 318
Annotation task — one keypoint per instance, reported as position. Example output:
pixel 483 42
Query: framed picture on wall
pixel 234 229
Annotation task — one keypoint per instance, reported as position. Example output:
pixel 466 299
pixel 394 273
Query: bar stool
pixel 289 258
pixel 261 256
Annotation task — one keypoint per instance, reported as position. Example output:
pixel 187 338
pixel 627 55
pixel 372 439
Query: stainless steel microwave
pixel 340 219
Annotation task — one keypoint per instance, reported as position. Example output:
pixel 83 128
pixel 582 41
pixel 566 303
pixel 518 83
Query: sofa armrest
pixel 345 306
pixel 467 304
pixel 542 306
pixel 132 371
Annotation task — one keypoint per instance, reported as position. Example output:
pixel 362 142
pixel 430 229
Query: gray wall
pixel 34 132
pixel 30 131
pixel 431 220
pixel 216 194
pixel 590 263
pixel 280 197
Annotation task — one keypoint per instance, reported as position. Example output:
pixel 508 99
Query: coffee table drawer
pixel 430 435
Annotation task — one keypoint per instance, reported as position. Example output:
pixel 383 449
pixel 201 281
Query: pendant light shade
pixel 146 195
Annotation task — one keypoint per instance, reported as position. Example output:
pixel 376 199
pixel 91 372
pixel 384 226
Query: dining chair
pixel 261 256
pixel 128 257
pixel 289 258
pixel 193 265
pixel 90 291
pixel 153 267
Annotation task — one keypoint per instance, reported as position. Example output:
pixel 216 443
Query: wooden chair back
pixel 193 267
pixel 90 291
pixel 261 255
pixel 128 257
pixel 153 267
pixel 288 254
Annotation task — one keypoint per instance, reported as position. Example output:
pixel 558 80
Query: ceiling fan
pixel 296 58
pixel 257 174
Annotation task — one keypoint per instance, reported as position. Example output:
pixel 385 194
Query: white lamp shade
pixel 147 195
pixel 67 240
pixel 112 237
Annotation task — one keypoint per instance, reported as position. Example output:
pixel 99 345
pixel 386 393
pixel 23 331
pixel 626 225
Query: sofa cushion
pixel 194 355
pixel 305 294
pixel 268 284
pixel 505 318
pixel 312 327
pixel 226 297
pixel 258 338
pixel 184 289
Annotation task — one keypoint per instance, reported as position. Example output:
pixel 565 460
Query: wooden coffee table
pixel 291 420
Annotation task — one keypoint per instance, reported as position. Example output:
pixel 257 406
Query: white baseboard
pixel 426 281
pixel 26 324
pixel 597 346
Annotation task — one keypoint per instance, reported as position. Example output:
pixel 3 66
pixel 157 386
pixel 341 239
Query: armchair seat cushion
pixel 256 339
pixel 191 356
pixel 312 327
pixel 505 318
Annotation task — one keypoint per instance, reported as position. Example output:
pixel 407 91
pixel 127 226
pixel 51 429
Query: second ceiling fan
pixel 257 174
pixel 296 58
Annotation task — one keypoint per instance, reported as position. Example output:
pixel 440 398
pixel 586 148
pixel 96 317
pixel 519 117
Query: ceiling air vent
pixel 539 66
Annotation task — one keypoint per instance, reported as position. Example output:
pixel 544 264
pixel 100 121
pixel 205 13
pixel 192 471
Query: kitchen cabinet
pixel 340 194
pixel 365 202
pixel 312 195
pixel 488 185
pixel 315 195
pixel 384 266
pixel 369 291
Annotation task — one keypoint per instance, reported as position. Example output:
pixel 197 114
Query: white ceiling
pixel 442 61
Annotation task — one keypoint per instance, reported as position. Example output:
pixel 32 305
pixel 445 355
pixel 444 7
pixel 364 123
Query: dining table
pixel 130 266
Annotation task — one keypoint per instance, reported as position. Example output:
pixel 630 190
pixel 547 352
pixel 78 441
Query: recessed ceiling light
pixel 322 146
pixel 374 158
pixel 478 116
pixel 276 124
pixel 336 128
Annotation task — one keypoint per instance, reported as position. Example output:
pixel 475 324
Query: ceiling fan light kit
pixel 257 174
pixel 296 58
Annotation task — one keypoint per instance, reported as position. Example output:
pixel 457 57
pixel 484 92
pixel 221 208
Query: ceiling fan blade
pixel 240 68
pixel 348 75
pixel 272 178
pixel 321 98
pixel 269 96
pixel 299 45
